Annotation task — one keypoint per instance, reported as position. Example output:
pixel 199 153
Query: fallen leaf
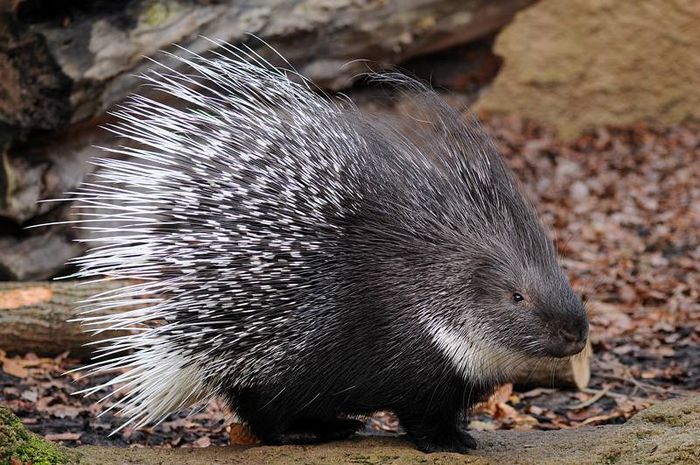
pixel 240 434
pixel 14 367
pixel 204 441
pixel 62 437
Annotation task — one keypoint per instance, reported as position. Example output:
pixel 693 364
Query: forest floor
pixel 624 205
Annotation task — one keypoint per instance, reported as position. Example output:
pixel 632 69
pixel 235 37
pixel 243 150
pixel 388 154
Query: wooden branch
pixel 34 317
pixel 572 372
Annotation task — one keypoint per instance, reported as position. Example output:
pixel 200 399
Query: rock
pixel 73 66
pixel 47 167
pixel 38 256
pixel 581 63
pixel 62 66
pixel 465 69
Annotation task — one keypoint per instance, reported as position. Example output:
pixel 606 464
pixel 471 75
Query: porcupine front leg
pixel 436 430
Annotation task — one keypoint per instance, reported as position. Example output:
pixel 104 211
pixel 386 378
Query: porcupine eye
pixel 517 297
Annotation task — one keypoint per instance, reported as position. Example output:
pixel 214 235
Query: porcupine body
pixel 306 262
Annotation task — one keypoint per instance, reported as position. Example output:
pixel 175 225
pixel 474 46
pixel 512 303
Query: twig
pixel 596 397
pixel 598 418
pixel 616 395
pixel 630 379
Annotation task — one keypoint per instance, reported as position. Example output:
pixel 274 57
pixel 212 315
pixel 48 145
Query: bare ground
pixel 665 434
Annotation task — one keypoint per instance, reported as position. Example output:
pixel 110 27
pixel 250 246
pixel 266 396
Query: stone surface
pixel 46 168
pixel 668 433
pixel 63 65
pixel 578 63
pixel 38 256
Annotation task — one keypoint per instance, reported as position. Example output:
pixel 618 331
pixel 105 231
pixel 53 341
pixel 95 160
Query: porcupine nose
pixel 571 338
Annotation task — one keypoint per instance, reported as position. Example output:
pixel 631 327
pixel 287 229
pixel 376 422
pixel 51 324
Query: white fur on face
pixel 474 358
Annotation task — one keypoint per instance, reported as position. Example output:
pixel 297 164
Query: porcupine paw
pixel 458 440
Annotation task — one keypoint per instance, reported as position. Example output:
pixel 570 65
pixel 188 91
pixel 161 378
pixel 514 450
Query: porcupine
pixel 308 263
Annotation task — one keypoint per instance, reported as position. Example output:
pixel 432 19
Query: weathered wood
pixel 34 317
pixel 71 67
pixel 572 372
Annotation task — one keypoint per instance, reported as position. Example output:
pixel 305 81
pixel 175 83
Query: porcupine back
pixel 256 214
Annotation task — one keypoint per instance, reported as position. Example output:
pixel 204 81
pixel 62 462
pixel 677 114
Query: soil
pixel 664 434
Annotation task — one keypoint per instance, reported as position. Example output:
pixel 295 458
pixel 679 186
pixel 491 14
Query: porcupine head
pixel 306 261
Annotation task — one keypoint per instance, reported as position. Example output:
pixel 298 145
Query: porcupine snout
pixel 568 327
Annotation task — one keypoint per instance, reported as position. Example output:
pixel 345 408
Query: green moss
pixel 16 443
pixel 688 453
pixel 611 458
pixel 155 14
pixel 360 460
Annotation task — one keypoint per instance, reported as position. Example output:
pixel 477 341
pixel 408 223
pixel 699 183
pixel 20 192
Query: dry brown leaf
pixel 240 434
pixel 62 437
pixel 64 411
pixel 204 441
pixel 600 418
pixel 14 367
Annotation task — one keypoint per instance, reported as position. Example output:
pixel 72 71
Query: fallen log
pixel 34 317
